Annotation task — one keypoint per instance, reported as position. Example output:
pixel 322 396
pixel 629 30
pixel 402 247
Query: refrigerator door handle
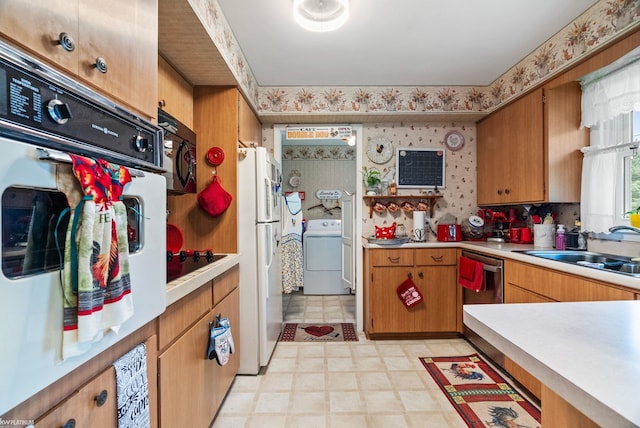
pixel 269 252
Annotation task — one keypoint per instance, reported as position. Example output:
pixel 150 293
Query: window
pixel 621 131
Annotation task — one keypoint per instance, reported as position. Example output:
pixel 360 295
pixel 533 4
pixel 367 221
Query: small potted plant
pixel 372 180
pixel 634 217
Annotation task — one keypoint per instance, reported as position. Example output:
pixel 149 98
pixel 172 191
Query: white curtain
pixel 606 97
pixel 606 94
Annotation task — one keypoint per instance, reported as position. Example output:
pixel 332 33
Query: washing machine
pixel 323 258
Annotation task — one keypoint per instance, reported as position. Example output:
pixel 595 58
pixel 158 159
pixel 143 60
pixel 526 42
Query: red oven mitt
pixel 214 199
pixel 409 294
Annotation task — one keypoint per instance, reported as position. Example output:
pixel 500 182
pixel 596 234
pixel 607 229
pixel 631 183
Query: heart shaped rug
pixel 318 332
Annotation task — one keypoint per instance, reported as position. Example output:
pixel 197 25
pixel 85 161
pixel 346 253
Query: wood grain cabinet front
pixel 528 151
pixel 93 405
pixel 117 56
pixel 191 386
pixel 96 403
pixel 433 271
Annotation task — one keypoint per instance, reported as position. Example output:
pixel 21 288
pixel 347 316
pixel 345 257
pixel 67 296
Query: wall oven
pixel 44 117
pixel 493 276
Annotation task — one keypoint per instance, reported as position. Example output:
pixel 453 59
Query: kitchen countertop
pixel 586 352
pixel 184 285
pixel 511 251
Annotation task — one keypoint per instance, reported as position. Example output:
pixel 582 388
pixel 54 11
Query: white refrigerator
pixel 259 233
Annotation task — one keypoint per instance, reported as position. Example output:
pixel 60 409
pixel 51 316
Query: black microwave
pixel 179 154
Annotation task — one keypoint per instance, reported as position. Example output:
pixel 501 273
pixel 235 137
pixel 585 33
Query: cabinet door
pixel 187 380
pixel 175 94
pixel 438 312
pixel 230 308
pixel 386 311
pixel 128 43
pixel 85 408
pixel 37 25
pixel 511 153
pixel 249 128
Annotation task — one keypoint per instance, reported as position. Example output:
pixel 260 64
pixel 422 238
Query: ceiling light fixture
pixel 321 15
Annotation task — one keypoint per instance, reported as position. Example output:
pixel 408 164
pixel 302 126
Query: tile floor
pixel 344 384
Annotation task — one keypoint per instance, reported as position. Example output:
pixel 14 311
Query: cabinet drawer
pixel 183 313
pixel 225 284
pixel 83 407
pixel 435 257
pixel 559 286
pixel 393 257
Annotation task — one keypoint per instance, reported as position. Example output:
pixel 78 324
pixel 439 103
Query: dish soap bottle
pixel 561 239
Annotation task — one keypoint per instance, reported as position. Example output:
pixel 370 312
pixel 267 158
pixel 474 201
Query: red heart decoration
pixel 317 330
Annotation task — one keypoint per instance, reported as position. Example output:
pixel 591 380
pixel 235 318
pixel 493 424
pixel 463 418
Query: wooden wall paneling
pixel 215 124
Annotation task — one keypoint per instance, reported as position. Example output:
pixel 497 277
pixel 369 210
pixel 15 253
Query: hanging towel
pixel 291 248
pixel 96 281
pixel 471 274
pixel 133 389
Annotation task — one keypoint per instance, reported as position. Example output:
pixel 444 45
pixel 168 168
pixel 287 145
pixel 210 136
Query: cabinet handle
pixel 162 103
pixel 437 259
pixel 395 260
pixel 66 41
pixel 507 191
pixel 101 398
pixel 420 275
pixel 71 423
pixel 499 191
pixel 101 65
pixel 409 275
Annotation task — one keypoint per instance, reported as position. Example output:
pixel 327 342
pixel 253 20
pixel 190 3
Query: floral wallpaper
pixel 318 153
pixel 458 197
pixel 605 20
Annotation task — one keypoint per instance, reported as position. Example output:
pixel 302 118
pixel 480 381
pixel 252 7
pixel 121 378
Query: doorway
pixel 324 171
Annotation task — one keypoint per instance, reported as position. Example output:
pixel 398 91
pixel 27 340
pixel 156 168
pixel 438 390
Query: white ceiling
pixel 396 42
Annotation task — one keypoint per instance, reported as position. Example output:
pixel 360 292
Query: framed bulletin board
pixel 420 168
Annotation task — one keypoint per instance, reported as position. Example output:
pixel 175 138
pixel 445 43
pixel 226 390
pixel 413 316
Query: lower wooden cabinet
pixel 434 273
pixel 525 283
pixel 95 404
pixel 191 387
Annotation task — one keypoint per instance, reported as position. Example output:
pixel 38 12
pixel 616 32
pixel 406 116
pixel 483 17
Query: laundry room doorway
pixel 321 163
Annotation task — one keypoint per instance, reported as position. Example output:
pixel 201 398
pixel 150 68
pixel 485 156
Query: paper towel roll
pixel 419 233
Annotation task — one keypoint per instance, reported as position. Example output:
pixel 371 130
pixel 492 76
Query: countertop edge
pixel 582 400
pixel 184 285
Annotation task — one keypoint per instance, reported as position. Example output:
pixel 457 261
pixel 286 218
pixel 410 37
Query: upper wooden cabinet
pixel 249 127
pixel 175 94
pixel 112 46
pixel 528 152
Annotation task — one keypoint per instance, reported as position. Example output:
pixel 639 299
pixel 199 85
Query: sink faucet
pixel 619 228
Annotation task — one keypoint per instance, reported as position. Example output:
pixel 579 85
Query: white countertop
pixel 511 251
pixel 586 352
pixel 184 285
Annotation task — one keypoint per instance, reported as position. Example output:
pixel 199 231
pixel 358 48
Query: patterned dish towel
pixel 133 389
pixel 96 281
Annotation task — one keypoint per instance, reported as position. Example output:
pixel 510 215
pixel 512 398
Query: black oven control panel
pixel 40 106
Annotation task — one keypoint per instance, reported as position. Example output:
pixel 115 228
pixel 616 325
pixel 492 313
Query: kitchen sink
pixel 609 262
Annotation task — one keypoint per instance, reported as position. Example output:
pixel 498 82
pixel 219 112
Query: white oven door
pixel 31 312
